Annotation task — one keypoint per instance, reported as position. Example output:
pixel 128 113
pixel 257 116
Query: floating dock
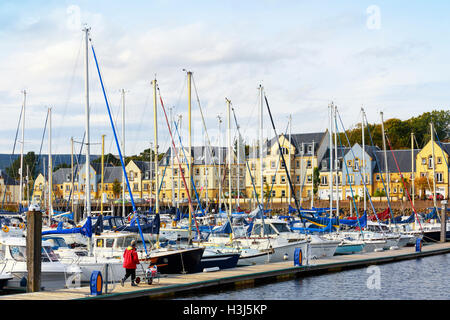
pixel 170 286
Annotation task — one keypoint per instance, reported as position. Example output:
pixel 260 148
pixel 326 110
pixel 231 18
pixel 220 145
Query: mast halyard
pixel 155 128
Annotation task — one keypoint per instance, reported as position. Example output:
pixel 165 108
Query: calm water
pixel 422 279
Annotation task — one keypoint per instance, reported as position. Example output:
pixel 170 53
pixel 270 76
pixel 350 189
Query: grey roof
pixel 200 154
pixel 144 165
pixel 62 175
pixel 112 173
pixel 307 139
pixel 297 140
pixel 401 157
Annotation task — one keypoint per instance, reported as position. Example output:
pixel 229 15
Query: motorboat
pixel 169 259
pixel 110 267
pixel 54 274
pixel 268 238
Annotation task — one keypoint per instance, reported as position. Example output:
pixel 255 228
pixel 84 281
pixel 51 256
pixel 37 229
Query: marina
pixel 172 286
pixel 157 177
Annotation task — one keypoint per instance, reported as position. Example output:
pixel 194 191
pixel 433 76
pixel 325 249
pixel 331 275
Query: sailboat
pixel 263 244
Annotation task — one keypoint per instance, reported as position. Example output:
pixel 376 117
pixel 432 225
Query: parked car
pixel 438 197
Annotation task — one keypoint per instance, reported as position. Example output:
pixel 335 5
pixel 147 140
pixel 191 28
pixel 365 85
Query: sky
pixel 389 56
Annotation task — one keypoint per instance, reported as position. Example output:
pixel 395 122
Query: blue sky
pixel 305 53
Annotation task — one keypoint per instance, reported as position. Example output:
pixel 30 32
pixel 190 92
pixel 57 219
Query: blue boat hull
pixel 349 249
pixel 223 261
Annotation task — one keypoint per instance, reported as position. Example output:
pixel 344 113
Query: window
pixel 298 164
pixel 430 162
pixel 175 172
pixel 109 243
pixel 283 179
pixel 272 164
pixel 297 179
pixel 350 179
pixel 310 148
pixel 264 179
pixel 274 193
pixel 197 171
pixel 439 160
pixel 356 167
pixel 309 177
pixel 283 193
pixel 349 163
pixel 323 180
pixel 439 177
pixel 424 161
pixel 145 186
pixel 377 177
pixel 308 164
pixel 135 186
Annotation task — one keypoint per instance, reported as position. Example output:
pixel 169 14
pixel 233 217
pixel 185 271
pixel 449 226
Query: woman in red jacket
pixel 130 260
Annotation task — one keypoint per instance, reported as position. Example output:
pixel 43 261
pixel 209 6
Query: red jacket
pixel 130 258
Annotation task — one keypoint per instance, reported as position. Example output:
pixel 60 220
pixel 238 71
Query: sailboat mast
pixel 71 171
pixel 261 178
pixel 388 178
pixel 155 128
pixel 334 112
pixel 21 149
pixel 88 162
pixel 312 180
pixel 363 160
pixel 330 183
pixel 289 162
pixel 103 173
pixel 171 158
pixel 189 76
pixel 122 91
pixel 180 117
pixel 220 163
pixel 229 158
pixel 238 167
pixel 433 164
pixel 412 168
pixel 50 166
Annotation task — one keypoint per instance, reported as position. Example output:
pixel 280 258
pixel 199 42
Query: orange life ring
pixel 22 225
pixel 5 228
pixel 163 224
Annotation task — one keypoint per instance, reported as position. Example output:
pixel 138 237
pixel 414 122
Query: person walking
pixel 130 260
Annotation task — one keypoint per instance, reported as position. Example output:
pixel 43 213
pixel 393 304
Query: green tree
pixel 109 159
pixel 316 180
pixel 61 165
pixel 29 160
pixel 116 188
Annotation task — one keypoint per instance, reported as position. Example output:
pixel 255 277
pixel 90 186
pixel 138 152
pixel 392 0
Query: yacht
pixel 54 274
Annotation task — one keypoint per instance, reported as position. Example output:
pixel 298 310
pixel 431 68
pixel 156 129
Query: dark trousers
pixel 130 272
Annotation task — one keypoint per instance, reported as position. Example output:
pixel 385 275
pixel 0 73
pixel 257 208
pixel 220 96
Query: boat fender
pixel 394 248
pixel 5 229
pixel 378 250
pixel 285 257
pixel 212 269
pixel 174 223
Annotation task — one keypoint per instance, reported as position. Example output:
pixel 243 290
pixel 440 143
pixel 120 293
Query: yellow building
pixel 424 173
pixel 208 175
pixel 9 188
pixel 301 155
